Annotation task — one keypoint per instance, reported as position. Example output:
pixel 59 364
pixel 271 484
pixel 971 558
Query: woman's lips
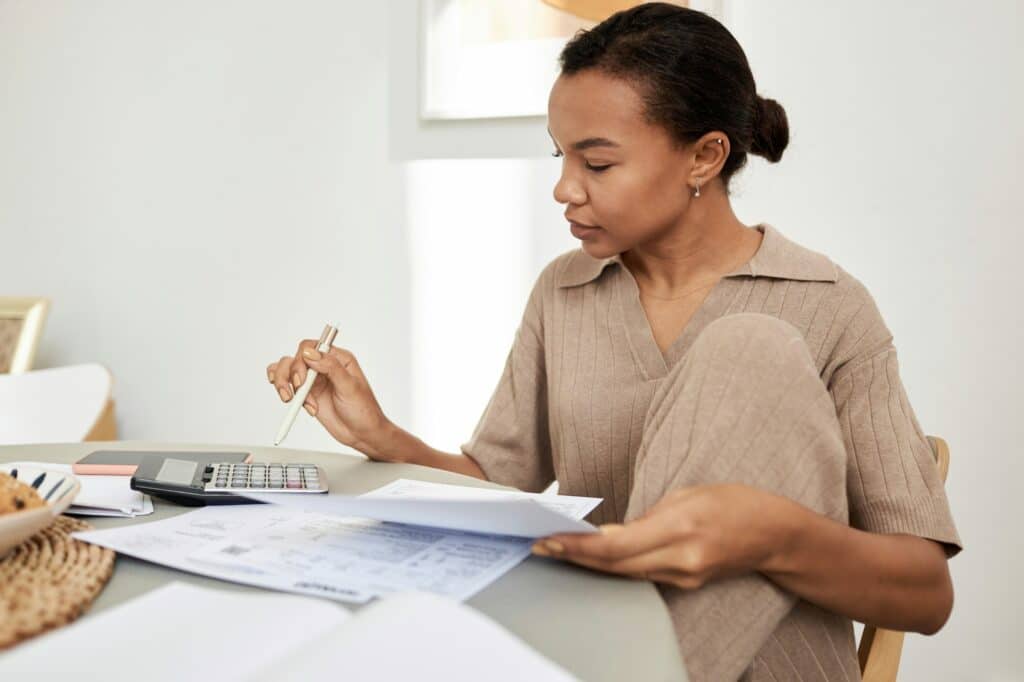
pixel 582 231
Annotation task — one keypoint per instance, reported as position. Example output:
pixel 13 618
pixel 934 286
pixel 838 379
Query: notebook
pixel 125 462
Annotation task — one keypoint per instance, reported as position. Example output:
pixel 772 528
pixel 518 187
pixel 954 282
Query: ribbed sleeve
pixel 512 441
pixel 893 482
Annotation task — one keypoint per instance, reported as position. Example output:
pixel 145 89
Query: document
pixel 193 631
pixel 476 510
pixel 295 548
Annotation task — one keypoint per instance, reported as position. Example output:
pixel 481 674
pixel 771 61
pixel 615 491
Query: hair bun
pixel 771 129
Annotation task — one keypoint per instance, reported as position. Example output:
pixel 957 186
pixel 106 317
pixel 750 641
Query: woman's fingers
pixel 281 379
pixel 316 393
pixel 298 370
pixel 661 565
pixel 615 541
pixel 330 365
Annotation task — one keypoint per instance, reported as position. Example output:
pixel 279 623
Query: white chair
pixel 59 405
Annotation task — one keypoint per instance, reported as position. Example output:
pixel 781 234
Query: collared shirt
pixel 584 366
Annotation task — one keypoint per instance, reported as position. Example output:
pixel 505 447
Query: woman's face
pixel 624 181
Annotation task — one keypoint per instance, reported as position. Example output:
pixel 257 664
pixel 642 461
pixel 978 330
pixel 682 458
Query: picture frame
pixel 467 72
pixel 21 328
pixel 485 59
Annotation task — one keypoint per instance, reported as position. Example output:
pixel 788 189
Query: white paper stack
pixel 102 495
pixel 194 632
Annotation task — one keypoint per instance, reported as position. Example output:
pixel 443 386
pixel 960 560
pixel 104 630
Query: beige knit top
pixel 584 366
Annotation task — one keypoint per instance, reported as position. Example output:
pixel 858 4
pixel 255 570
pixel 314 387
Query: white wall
pixel 197 186
pixel 162 163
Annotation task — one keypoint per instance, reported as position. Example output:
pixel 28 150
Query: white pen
pixel 324 345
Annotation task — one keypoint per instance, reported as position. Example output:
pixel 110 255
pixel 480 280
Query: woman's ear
pixel 709 155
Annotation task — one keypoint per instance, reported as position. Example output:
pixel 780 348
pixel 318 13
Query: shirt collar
pixel 776 258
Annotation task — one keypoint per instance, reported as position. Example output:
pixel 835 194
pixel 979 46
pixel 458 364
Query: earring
pixel 696 187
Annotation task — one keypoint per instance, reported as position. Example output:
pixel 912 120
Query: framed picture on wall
pixel 21 326
pixel 490 58
pixel 499 58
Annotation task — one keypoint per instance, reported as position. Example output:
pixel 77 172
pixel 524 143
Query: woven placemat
pixel 49 580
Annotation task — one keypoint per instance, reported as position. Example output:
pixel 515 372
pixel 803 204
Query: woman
pixel 733 396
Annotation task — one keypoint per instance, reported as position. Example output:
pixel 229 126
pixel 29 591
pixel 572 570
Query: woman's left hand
pixel 691 536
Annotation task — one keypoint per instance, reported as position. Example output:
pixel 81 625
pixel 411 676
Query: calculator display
pixel 177 471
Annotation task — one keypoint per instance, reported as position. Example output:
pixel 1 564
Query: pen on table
pixel 324 345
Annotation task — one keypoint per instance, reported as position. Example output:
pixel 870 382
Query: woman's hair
pixel 692 75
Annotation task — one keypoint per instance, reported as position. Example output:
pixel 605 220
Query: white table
pixel 597 626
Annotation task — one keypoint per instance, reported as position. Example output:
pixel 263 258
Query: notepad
pixel 193 632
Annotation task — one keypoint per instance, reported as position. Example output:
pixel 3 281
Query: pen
pixel 324 345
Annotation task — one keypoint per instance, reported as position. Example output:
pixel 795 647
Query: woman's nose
pixel 569 191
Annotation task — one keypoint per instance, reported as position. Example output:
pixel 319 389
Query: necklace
pixel 703 285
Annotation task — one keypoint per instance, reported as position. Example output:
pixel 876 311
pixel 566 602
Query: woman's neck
pixel 708 243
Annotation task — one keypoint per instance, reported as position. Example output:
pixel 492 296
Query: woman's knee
pixel 753 337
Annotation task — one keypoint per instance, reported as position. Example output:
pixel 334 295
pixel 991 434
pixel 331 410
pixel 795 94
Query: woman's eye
pixel 598 169
pixel 557 153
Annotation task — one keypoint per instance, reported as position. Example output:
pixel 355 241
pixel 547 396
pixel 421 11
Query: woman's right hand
pixel 341 398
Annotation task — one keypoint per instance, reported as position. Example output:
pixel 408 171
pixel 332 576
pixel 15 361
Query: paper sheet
pixel 190 633
pixel 476 510
pixel 350 559
pixel 194 632
pixel 291 550
pixel 438 640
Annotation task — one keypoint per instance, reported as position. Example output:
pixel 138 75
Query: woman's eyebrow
pixel 593 142
pixel 589 142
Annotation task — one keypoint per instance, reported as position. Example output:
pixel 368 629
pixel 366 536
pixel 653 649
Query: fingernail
pixel 311 353
pixel 539 550
pixel 554 546
pixel 284 394
pixel 295 379
pixel 270 377
pixel 310 409
pixel 609 528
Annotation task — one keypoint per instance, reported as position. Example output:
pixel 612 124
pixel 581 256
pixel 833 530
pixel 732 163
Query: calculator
pixel 196 484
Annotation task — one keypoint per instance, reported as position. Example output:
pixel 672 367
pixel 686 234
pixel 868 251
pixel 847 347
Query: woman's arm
pixel 341 399
pixel 698 534
pixel 899 582
pixel 398 445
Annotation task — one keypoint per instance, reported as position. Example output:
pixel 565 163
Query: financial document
pixel 350 559
pixel 477 510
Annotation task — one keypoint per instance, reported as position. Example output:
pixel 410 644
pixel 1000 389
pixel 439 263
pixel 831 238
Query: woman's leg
pixel 744 405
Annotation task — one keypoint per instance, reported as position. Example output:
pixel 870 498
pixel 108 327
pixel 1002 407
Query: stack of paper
pixel 408 535
pixel 193 632
pixel 102 495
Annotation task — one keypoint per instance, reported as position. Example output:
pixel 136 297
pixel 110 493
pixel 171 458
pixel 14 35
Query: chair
pixel 59 405
pixel 880 649
pixel 21 326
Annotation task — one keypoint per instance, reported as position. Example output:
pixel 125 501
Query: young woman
pixel 734 397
